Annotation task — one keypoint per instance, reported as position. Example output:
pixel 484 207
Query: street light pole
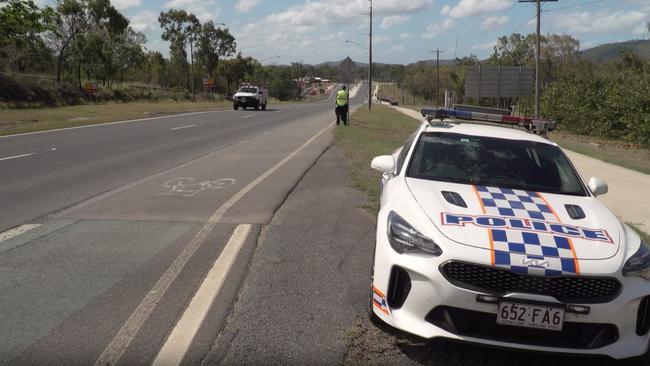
pixel 370 61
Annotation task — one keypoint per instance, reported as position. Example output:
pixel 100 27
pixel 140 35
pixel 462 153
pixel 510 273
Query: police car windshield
pixel 248 90
pixel 494 162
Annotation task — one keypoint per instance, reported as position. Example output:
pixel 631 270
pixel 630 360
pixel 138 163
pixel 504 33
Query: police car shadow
pixel 445 352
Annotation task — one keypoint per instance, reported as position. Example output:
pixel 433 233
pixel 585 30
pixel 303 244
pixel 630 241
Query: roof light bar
pixel 534 125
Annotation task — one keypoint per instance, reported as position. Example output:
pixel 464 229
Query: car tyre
pixel 257 106
pixel 264 106
pixel 235 107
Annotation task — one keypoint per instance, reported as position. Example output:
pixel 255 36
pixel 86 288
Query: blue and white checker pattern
pixel 515 203
pixel 533 253
pixel 526 252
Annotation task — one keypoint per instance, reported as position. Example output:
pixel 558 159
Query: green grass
pixel 616 152
pixel 645 236
pixel 14 121
pixel 372 133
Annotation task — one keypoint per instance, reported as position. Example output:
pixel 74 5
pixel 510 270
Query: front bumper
pixel 429 306
pixel 246 102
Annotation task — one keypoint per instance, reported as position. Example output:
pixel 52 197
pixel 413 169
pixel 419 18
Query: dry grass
pixel 14 121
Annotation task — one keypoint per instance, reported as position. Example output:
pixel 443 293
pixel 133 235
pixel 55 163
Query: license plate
pixel 530 316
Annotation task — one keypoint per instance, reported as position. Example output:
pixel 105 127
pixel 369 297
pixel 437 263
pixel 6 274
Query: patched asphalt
pixel 307 279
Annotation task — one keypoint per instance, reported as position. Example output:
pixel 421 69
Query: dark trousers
pixel 342 114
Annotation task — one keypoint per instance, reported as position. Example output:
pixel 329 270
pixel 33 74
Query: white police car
pixel 487 234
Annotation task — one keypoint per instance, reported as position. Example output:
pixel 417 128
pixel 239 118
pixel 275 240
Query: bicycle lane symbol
pixel 189 187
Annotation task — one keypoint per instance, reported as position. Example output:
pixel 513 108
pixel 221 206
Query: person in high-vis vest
pixel 342 106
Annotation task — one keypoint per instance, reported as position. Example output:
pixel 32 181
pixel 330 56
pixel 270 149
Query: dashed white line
pixel 17 156
pixel 248 116
pixel 181 337
pixel 182 127
pixel 10 234
pixel 121 341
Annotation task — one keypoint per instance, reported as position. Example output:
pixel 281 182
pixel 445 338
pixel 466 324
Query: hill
pixel 611 51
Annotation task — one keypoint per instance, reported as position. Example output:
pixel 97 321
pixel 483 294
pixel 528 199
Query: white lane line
pixel 10 234
pixel 17 156
pixel 113 352
pixel 248 116
pixel 181 337
pixel 112 123
pixel 182 127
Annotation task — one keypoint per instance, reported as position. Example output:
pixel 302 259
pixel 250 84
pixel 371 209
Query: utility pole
pixel 538 4
pixel 192 63
pixel 437 51
pixel 370 61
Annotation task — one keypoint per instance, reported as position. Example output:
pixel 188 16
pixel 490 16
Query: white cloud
pixel 641 29
pixel 203 9
pixel 382 38
pixel 144 21
pixel 314 13
pixel 493 22
pixel 484 46
pixel 434 29
pixel 393 20
pixel 403 36
pixel 244 6
pixel 623 21
pixel 466 8
pixel 125 4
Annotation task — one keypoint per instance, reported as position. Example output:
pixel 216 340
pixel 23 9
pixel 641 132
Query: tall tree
pixel 213 44
pixel 71 19
pixel 179 28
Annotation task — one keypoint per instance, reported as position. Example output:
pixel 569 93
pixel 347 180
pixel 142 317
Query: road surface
pixel 126 243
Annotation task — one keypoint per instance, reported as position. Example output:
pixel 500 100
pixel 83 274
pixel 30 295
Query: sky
pixel 405 31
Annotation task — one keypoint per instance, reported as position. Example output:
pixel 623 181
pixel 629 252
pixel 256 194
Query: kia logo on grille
pixel 540 263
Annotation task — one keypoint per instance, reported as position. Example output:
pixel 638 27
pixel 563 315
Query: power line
pixel 574 6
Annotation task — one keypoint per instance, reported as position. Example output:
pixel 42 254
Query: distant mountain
pixel 611 51
pixel 364 65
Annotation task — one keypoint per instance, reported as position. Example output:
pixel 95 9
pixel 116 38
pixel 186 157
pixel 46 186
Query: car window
pixel 248 90
pixel 405 150
pixel 495 162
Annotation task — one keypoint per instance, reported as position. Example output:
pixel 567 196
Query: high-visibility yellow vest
pixel 341 98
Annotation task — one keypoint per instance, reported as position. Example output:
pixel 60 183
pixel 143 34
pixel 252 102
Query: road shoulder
pixel 308 279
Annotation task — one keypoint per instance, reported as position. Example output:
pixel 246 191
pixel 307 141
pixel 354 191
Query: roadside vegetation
pixel 372 133
pixel 594 97
pixel 14 121
pixel 50 53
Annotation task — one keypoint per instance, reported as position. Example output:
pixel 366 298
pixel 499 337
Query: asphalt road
pixel 118 226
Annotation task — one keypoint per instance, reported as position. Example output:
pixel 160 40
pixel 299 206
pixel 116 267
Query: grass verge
pixel 616 152
pixel 645 236
pixel 13 121
pixel 372 133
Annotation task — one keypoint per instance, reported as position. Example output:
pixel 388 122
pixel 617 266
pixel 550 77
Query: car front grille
pixel 498 282
pixel 481 325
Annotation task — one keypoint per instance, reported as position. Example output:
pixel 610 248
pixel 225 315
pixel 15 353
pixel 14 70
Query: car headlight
pixel 639 264
pixel 405 239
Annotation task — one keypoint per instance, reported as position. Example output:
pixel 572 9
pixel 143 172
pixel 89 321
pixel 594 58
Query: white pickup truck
pixel 250 96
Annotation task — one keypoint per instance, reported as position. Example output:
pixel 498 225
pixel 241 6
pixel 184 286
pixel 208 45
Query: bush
pixel 613 102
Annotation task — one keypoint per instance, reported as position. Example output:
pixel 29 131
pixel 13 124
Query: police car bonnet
pixel 514 221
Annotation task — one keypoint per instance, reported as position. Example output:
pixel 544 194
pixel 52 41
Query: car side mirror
pixel 384 164
pixel 598 186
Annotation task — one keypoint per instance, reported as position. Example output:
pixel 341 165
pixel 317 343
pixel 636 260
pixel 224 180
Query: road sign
pixel 209 82
pixel 90 87
pixel 347 66
pixel 499 81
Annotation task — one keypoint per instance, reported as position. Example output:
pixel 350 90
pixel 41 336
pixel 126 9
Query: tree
pixel 213 44
pixel 70 20
pixel 21 23
pixel 515 50
pixel 179 27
